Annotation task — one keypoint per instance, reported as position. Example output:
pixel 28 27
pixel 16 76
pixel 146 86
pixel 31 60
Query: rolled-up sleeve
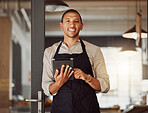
pixel 47 72
pixel 100 71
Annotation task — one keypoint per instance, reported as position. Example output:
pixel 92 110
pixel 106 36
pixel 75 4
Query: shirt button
pixel 69 52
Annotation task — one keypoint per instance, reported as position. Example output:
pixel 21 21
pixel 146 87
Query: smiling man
pixel 78 95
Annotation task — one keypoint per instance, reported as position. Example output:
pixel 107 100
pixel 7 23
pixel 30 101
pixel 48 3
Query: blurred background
pixel 105 23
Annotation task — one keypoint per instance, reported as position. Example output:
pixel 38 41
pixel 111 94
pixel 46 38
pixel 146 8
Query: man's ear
pixel 61 25
pixel 82 26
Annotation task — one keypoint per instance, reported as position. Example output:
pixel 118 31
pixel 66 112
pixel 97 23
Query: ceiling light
pixel 131 33
pixel 55 5
pixel 126 51
pixel 136 32
pixel 129 48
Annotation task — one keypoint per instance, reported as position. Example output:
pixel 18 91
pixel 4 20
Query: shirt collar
pixel 78 41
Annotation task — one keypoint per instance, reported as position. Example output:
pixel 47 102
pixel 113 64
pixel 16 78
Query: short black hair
pixel 71 10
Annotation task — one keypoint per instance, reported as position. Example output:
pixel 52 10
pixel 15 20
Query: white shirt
pixel 95 56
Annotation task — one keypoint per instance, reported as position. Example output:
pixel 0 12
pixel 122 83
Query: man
pixel 78 95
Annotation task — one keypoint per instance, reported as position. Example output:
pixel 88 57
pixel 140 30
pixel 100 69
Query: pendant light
pixel 55 5
pixel 129 48
pixel 128 52
pixel 133 33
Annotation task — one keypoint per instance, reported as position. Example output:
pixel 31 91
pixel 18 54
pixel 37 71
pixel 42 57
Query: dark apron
pixel 76 96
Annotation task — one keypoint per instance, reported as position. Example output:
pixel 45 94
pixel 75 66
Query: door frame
pixel 37 50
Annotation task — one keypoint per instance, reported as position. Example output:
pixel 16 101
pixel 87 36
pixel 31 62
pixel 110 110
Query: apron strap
pixel 82 45
pixel 58 49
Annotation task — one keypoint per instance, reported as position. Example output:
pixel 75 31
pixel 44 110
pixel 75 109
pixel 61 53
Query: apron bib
pixel 76 96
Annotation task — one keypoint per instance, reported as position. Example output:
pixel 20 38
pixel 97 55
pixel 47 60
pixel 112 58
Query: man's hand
pixel 94 83
pixel 61 78
pixel 64 75
pixel 79 74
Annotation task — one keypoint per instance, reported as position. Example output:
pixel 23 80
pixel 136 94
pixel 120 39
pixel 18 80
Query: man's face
pixel 71 25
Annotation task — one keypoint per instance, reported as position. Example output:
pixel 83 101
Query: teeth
pixel 71 29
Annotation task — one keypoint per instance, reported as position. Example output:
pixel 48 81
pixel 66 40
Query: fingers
pixel 56 73
pixel 71 74
pixel 77 70
pixel 66 70
pixel 76 76
pixel 77 73
pixel 69 70
pixel 62 69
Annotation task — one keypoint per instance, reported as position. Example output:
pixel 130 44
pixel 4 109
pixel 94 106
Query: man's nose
pixel 72 24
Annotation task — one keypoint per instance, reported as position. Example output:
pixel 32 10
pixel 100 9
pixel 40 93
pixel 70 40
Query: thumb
pixel 56 73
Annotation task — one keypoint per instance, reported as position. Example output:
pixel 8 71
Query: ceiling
pixel 100 17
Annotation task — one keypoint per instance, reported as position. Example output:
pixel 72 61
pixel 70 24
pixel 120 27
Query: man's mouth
pixel 71 29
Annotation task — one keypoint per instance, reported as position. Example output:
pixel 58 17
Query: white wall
pixel 121 69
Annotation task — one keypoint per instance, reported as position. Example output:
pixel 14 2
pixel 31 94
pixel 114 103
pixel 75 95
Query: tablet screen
pixel 57 63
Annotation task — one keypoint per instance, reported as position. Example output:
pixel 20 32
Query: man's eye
pixel 76 21
pixel 67 20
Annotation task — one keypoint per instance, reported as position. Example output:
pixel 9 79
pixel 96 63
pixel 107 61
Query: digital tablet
pixel 57 63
